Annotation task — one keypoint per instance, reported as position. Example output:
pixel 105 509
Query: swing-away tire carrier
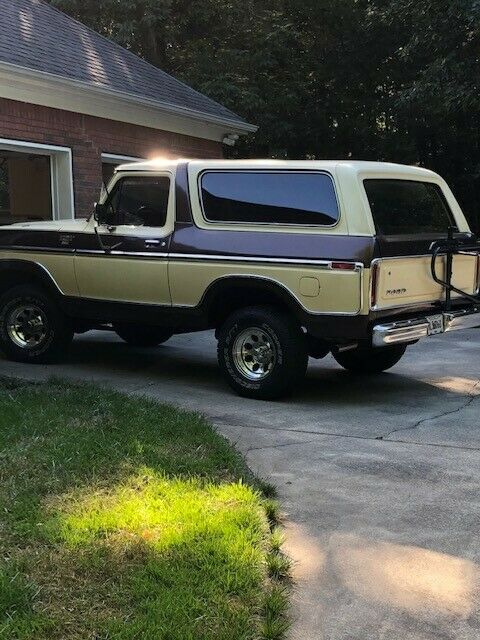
pixel 447 318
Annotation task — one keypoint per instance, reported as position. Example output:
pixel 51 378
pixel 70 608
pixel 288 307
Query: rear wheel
pixel 262 353
pixel 142 335
pixel 32 327
pixel 370 360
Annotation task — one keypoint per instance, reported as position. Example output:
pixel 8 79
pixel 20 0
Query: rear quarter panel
pixel 318 290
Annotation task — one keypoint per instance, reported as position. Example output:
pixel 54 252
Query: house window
pixel 25 188
pixel 110 162
pixel 36 182
pixel 108 171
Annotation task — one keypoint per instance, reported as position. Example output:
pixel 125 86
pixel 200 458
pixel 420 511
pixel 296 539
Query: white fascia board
pixel 49 90
pixel 114 158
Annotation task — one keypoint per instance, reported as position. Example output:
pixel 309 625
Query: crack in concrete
pixel 470 400
pixel 219 425
pixel 278 446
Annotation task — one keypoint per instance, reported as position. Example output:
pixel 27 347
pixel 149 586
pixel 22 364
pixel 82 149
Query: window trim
pixel 410 234
pixel 61 173
pixel 280 225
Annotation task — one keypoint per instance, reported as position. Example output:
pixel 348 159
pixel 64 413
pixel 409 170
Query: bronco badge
pixel 396 292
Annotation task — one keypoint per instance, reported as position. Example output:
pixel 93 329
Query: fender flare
pixel 30 271
pixel 223 285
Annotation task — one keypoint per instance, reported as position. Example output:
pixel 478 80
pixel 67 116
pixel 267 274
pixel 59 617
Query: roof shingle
pixel 37 36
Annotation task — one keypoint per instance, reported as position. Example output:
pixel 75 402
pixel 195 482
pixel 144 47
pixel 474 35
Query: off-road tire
pixel 370 360
pixel 286 339
pixel 58 332
pixel 142 335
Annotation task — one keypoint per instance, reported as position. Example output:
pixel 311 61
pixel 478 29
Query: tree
pixel 434 48
pixel 369 79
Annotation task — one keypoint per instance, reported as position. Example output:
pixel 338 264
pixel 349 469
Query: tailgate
pixel 408 280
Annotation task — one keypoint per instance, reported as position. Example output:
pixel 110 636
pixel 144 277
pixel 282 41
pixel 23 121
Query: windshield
pixel 406 207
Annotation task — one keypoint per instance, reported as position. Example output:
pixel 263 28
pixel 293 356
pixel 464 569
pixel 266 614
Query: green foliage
pixel 367 79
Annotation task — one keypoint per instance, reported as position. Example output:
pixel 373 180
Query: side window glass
pixel 112 205
pixel 269 197
pixel 140 202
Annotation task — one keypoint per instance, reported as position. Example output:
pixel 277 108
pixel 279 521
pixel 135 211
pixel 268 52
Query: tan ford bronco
pixel 284 260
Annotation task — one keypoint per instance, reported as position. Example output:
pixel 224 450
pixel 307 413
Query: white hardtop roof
pixel 356 166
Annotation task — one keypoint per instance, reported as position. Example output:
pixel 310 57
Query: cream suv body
pixel 283 259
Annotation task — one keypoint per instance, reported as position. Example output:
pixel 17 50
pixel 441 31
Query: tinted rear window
pixel 401 207
pixel 269 198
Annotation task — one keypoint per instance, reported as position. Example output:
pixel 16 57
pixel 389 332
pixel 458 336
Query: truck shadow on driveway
pixel 420 391
pixel 184 371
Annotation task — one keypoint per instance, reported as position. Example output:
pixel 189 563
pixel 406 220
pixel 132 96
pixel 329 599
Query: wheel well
pixel 17 275
pixel 229 296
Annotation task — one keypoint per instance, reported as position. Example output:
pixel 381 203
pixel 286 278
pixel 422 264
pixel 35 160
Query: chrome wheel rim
pixel 254 353
pixel 27 326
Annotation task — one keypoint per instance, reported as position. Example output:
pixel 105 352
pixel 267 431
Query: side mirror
pixel 101 213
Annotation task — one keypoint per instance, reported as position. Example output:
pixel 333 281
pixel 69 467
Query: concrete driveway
pixel 380 477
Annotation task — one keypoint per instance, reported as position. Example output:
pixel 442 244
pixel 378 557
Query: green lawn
pixel 124 519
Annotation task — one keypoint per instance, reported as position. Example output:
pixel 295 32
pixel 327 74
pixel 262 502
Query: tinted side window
pixel 408 207
pixel 141 201
pixel 267 197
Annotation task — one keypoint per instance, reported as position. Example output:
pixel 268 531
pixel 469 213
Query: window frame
pixel 61 173
pixel 410 234
pixel 263 225
pixel 117 183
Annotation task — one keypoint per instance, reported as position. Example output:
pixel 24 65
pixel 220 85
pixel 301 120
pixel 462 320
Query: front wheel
pixel 370 360
pixel 142 335
pixel 32 327
pixel 262 353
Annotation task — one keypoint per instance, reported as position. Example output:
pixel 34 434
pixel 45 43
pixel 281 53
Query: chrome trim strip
pixel 50 276
pixel 131 254
pixel 190 256
pixel 62 250
pixel 222 258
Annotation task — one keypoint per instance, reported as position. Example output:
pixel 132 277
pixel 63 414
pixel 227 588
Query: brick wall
pixel 89 137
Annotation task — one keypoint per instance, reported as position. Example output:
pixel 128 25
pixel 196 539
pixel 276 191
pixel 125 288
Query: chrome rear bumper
pixel 417 328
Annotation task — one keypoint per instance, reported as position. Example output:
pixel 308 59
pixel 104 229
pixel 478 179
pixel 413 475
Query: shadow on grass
pixel 126 519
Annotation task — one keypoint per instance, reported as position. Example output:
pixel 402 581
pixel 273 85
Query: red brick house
pixel 74 104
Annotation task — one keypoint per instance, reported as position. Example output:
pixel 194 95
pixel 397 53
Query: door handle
pixel 155 243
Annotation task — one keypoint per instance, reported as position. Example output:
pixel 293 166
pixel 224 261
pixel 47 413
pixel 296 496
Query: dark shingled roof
pixel 37 36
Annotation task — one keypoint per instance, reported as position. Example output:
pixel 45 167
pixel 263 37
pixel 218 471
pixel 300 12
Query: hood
pixel 48 225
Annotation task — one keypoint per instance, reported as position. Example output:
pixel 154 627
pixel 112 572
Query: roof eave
pixel 231 125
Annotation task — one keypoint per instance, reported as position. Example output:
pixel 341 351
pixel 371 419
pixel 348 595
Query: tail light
pixel 478 274
pixel 344 266
pixel 373 284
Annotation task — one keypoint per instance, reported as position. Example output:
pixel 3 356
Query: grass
pixel 124 519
